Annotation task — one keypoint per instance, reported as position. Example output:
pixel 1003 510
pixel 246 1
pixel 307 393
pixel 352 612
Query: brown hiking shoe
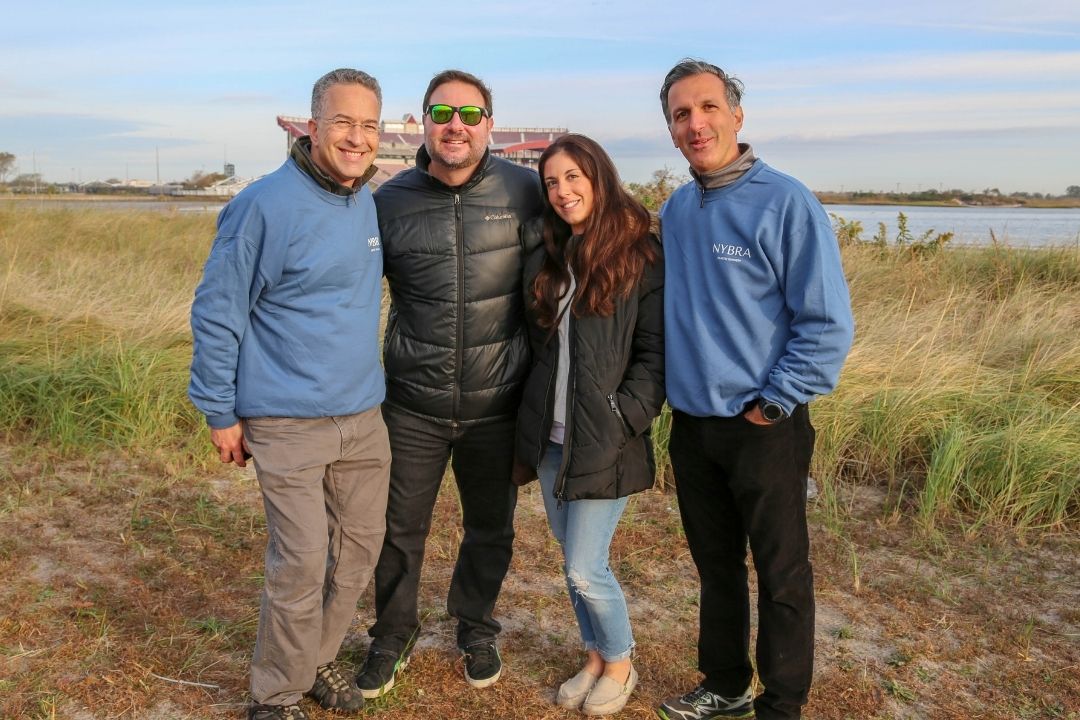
pixel 276 712
pixel 333 691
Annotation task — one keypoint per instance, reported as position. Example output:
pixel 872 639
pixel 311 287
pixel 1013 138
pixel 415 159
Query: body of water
pixel 1018 227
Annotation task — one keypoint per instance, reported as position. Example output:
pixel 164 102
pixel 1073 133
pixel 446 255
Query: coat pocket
pixel 613 403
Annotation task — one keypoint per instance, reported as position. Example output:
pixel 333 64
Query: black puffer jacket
pixel 456 350
pixel 615 388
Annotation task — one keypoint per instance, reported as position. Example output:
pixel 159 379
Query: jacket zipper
pixel 560 479
pixel 458 359
pixel 618 413
pixel 541 444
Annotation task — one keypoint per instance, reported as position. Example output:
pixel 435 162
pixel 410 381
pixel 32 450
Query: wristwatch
pixel 771 411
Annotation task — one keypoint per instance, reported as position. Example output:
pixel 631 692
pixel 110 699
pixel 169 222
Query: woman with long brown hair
pixel 594 299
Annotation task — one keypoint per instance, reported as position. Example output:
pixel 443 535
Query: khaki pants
pixel 324 484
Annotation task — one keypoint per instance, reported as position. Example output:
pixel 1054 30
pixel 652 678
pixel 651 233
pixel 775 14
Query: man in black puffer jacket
pixel 456 356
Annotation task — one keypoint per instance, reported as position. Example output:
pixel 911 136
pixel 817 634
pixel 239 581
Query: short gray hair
pixel 341 76
pixel 687 67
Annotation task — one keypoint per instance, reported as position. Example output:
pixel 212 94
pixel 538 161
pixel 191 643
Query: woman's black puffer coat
pixel 615 388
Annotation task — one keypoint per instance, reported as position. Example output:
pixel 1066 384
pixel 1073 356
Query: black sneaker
pixel 276 712
pixel 700 704
pixel 483 666
pixel 379 672
pixel 333 692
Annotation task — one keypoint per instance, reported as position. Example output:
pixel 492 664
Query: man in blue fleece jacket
pixel 286 368
pixel 757 323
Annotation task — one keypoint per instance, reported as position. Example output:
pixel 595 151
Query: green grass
pixel 961 395
pixel 78 391
pixel 94 345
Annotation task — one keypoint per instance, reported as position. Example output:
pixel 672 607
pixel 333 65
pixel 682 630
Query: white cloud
pixel 1026 67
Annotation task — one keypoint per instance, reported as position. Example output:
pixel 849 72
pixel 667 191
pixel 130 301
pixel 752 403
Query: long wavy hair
pixel 610 256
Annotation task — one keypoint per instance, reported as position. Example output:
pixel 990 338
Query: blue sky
pixel 843 95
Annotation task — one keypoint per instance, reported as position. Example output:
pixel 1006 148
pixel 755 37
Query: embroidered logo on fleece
pixel 731 253
pixel 499 216
pixel 373 244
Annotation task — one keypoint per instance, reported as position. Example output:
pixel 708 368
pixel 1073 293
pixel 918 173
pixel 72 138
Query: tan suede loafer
pixel 609 696
pixel 574 691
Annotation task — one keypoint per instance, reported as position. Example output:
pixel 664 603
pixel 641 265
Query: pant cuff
pixel 617 656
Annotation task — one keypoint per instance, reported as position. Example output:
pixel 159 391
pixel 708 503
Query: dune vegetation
pixel 956 422
pixel 961 394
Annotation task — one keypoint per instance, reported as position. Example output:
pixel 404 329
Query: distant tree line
pixel 7 165
pixel 33 182
pixel 988 196
pixel 652 194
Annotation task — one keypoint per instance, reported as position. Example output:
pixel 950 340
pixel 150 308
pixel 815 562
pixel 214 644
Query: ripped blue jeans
pixel 584 529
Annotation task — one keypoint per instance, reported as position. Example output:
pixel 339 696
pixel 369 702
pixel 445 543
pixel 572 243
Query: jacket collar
pixel 301 155
pixel 423 163
pixel 729 173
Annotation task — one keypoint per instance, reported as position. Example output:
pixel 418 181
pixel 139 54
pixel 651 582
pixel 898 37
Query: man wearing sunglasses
pixel 455 356
pixel 286 369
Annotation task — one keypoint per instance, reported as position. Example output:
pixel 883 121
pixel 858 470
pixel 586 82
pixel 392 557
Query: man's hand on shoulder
pixel 231 445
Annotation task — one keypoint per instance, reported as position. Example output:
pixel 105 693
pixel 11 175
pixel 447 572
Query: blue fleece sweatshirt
pixel 755 301
pixel 285 320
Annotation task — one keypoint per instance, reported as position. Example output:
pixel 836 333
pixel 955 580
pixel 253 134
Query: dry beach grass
pixel 945 535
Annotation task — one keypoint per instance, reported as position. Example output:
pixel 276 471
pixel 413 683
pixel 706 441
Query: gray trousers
pixel 324 485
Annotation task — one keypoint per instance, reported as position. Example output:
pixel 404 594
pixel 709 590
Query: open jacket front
pixel 615 388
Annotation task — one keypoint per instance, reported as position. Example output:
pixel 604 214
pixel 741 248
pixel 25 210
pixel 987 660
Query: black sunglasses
pixel 469 114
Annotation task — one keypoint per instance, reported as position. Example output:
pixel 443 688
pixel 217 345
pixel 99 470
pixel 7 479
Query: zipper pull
pixel 618 413
pixel 615 408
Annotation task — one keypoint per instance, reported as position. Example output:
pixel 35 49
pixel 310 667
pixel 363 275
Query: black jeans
pixel 481 457
pixel 738 481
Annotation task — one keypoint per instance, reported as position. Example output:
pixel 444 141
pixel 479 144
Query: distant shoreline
pixel 103 197
pixel 825 198
pixel 1032 203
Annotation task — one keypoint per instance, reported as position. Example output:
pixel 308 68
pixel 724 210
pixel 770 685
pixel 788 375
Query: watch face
pixel 772 412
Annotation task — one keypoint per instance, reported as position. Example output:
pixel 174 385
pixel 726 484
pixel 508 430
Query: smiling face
pixel 568 190
pixel 345 155
pixel 702 125
pixel 456 148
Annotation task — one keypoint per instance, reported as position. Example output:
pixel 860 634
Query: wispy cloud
pixel 913 112
pixel 242 98
pixel 981 137
pixel 1001 66
pixel 998 29
pixel 97 84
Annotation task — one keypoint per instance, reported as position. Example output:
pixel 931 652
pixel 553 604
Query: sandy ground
pixel 132 593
